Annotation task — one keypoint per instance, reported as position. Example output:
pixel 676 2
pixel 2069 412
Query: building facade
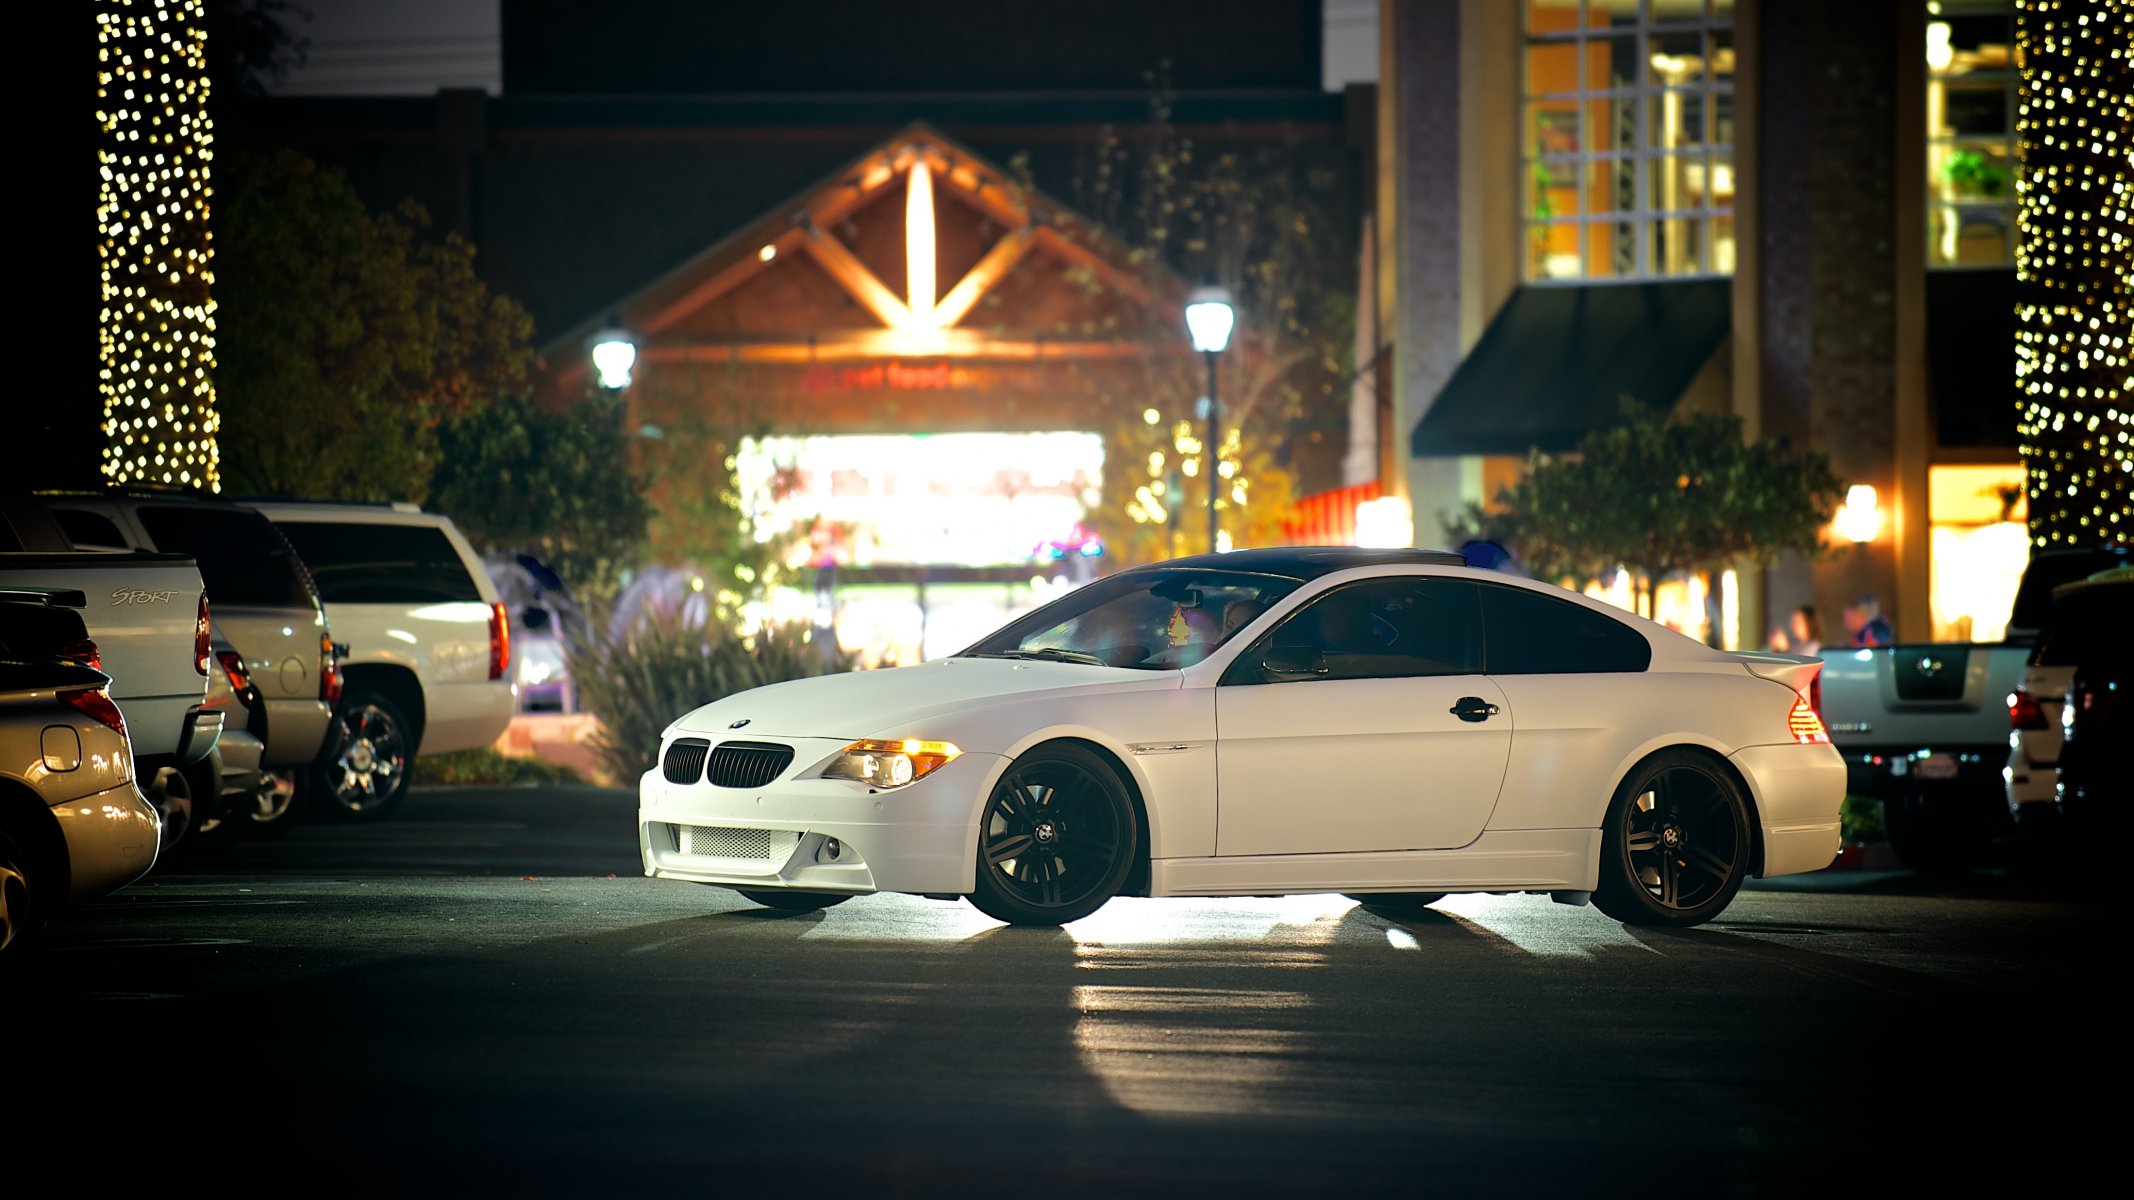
pixel 1800 213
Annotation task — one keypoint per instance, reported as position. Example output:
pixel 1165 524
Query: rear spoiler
pixel 1794 670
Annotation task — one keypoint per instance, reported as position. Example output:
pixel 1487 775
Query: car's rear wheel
pixel 1396 904
pixel 1676 847
pixel 20 919
pixel 369 776
pixel 271 811
pixel 1056 839
pixel 793 901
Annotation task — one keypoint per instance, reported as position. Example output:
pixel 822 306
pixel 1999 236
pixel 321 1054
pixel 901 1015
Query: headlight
pixel 890 763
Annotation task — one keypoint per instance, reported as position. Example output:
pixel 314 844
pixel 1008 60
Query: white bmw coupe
pixel 1389 724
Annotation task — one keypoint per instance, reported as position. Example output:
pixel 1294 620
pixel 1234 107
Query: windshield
pixel 1155 620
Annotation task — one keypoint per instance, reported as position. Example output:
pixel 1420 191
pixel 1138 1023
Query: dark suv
pixel 2092 627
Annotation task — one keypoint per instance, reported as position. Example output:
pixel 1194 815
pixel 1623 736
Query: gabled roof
pixel 998 224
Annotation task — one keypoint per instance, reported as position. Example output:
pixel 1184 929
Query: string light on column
pixel 2075 267
pixel 156 324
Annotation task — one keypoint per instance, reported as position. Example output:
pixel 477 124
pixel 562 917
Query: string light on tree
pixel 2075 267
pixel 156 324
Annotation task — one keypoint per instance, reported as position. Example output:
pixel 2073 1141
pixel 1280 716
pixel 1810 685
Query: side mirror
pixel 1293 662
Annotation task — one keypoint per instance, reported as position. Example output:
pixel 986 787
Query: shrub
pixel 1860 817
pixel 487 767
pixel 665 664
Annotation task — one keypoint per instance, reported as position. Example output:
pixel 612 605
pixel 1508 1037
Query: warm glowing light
pixel 1939 52
pixel 2075 269
pixel 1860 521
pixel 1387 522
pixel 768 252
pixel 919 244
pixel 156 321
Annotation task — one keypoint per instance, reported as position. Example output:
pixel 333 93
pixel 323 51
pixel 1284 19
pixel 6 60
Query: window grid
pixel 1635 168
pixel 1948 216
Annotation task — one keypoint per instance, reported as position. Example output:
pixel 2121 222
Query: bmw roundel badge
pixel 738 724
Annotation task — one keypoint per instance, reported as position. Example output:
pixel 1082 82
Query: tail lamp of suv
pixel 203 651
pixel 1803 723
pixel 331 680
pixel 2024 711
pixel 233 666
pixel 499 642
pixel 95 704
pixel 83 652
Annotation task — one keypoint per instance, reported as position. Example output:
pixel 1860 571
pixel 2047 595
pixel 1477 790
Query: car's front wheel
pixel 369 775
pixel 1056 840
pixel 1676 846
pixel 793 901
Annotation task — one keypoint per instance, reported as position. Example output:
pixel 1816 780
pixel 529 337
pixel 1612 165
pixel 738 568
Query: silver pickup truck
pixel 1924 727
pixel 147 614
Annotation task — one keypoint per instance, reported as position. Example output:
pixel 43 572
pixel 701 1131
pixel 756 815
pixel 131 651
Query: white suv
pixel 428 645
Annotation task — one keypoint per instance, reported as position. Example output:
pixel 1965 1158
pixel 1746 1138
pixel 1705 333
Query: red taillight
pixel 2023 711
pixel 499 642
pixel 202 649
pixel 233 665
pixel 330 677
pixel 1805 726
pixel 85 653
pixel 95 704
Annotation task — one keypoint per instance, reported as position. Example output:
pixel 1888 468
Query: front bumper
pixel 819 835
pixel 1797 790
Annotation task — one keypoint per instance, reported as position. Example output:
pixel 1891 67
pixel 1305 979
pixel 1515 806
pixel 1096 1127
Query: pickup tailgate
pixel 1919 696
pixel 141 614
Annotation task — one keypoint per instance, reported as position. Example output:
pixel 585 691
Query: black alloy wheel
pixel 1676 846
pixel 368 777
pixel 1056 839
pixel 785 901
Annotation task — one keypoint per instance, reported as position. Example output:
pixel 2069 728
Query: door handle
pixel 1473 708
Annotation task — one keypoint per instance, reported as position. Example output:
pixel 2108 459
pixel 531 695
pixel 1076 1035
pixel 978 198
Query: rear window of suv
pixel 243 560
pixel 2089 627
pixel 382 564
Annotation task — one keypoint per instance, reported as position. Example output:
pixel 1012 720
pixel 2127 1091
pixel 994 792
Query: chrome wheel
pixel 271 807
pixel 1056 839
pixel 1677 846
pixel 370 773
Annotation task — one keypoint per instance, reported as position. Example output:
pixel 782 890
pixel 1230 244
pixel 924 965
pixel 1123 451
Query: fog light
pixel 831 850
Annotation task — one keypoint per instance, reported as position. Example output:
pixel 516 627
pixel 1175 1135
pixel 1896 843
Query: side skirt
pixel 1509 860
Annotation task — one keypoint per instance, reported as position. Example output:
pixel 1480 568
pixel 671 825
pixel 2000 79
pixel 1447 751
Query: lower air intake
pixel 718 841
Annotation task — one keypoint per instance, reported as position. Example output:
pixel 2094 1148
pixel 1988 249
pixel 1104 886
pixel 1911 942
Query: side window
pixel 88 530
pixel 1384 629
pixel 1532 633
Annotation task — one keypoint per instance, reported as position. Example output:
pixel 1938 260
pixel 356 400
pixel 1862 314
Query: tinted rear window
pixel 2033 601
pixel 243 560
pixel 2089 627
pixel 88 530
pixel 1529 633
pixel 382 564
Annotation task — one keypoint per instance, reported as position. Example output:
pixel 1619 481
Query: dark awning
pixel 1556 362
pixel 1971 356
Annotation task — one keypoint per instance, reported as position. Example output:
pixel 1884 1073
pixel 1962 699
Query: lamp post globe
pixel 614 354
pixel 1209 319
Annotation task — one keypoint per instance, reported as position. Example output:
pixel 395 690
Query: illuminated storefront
pixel 910 371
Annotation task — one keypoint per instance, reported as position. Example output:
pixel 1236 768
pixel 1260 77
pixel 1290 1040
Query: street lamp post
pixel 1209 318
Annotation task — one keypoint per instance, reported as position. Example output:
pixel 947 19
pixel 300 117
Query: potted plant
pixel 1970 175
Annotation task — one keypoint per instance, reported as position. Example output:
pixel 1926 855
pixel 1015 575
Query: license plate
pixel 1936 767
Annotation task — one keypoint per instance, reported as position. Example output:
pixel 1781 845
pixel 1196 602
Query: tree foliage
pixel 520 477
pixel 1660 496
pixel 346 338
pixel 1254 221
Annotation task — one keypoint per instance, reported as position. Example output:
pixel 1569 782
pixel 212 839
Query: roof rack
pixel 407 506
